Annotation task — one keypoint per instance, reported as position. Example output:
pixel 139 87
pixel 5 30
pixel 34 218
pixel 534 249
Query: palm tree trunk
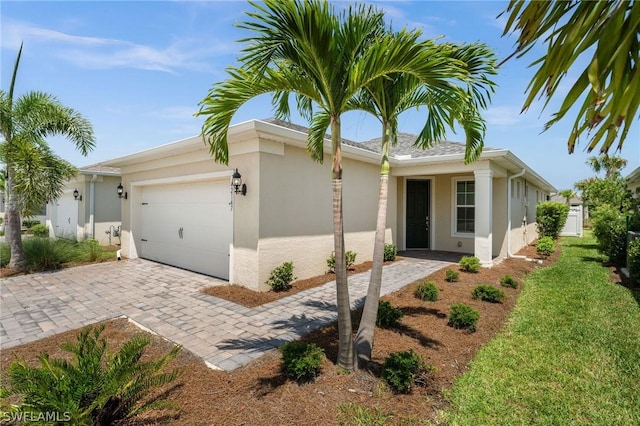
pixel 346 349
pixel 364 338
pixel 12 228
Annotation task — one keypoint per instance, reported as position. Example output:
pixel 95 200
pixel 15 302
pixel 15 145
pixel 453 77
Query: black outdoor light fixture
pixel 236 183
pixel 76 195
pixel 121 192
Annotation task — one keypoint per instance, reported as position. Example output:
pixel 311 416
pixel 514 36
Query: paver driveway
pixel 168 301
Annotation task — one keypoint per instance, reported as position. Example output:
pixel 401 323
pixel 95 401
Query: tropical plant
pixel 607 92
pixel 281 277
pixel 448 101
pixel 388 315
pixel 610 229
pixel 469 264
pixel 545 247
pixel 325 59
pixel 451 276
pixel 567 194
pixel 34 175
pixel 94 387
pixel 40 230
pixel 301 361
pixel 390 252
pixel 488 293
pixel 508 281
pixel 426 290
pixel 463 316
pixel 400 369
pixel 349 258
pixel 551 217
pixel 611 165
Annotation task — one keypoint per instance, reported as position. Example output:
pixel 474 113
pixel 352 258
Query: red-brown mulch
pixel 259 394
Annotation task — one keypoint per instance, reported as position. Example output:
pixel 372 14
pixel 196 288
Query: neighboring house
pixel 180 208
pixel 633 182
pixel 89 207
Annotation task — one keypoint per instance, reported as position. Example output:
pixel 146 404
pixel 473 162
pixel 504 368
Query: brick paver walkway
pixel 168 301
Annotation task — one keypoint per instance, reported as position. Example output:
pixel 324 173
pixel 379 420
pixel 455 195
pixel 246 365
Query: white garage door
pixel 188 225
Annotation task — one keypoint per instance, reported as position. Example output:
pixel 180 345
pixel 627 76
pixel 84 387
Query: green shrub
pixel 470 264
pixel 94 387
pixel 508 281
pixel 451 276
pixel 545 247
pixel 281 277
pixel 388 315
pixel 28 223
pixel 349 257
pixel 426 291
pixel 550 218
pixel 488 293
pixel 40 230
pixel 610 229
pixel 633 254
pixel 5 254
pixel 301 361
pixel 463 316
pixel 390 252
pixel 89 251
pixel 400 370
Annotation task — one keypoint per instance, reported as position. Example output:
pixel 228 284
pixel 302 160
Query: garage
pixel 189 225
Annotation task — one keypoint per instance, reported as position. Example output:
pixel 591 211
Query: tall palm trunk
pixel 12 228
pixel 364 338
pixel 346 349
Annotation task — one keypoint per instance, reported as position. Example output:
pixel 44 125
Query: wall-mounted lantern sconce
pixel 121 191
pixel 236 184
pixel 76 195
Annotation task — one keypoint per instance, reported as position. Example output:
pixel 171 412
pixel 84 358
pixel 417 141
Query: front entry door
pixel 418 214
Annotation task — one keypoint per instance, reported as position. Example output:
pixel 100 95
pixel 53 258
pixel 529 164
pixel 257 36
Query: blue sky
pixel 137 70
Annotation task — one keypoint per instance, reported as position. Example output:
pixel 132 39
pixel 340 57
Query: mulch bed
pixel 259 394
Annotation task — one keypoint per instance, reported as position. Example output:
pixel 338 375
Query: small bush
pixel 488 293
pixel 390 252
pixel 44 254
pixel 426 291
pixel 5 254
pixel 94 386
pixel 40 230
pixel 349 257
pixel 633 254
pixel 89 251
pixel 451 276
pixel 545 247
pixel 508 281
pixel 463 316
pixel 388 315
pixel 301 361
pixel 610 229
pixel 550 218
pixel 400 370
pixel 470 264
pixel 281 277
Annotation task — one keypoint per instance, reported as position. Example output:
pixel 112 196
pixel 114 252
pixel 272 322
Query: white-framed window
pixel 463 207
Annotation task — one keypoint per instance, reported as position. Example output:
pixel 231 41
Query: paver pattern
pixel 168 302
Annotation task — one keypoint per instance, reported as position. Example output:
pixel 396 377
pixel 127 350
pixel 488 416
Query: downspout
pixel 509 253
pixel 92 200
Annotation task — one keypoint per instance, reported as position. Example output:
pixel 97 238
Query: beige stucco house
pixel 633 181
pixel 180 208
pixel 89 207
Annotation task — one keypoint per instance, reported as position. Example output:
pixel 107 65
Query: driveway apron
pixel 168 301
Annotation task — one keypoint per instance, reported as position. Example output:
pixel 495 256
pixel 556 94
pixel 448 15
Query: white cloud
pixel 503 116
pixel 106 53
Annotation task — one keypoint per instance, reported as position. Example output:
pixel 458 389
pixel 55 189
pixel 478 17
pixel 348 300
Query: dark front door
pixel 418 214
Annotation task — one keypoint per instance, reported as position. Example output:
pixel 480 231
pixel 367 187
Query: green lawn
pixel 569 355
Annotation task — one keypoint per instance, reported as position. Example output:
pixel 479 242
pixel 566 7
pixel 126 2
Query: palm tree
pixel 610 165
pixel 568 194
pixel 33 174
pixel 386 99
pixel 305 48
pixel 608 90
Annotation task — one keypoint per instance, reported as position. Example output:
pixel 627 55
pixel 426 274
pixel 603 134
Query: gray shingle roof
pixel 405 147
pixel 99 168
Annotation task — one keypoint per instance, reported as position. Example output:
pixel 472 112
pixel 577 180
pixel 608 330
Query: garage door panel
pixel 188 225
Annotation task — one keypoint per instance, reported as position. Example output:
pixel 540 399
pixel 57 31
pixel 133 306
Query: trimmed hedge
pixel 550 218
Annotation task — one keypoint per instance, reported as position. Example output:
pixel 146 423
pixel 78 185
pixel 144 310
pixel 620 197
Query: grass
pixel 47 253
pixel 570 353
